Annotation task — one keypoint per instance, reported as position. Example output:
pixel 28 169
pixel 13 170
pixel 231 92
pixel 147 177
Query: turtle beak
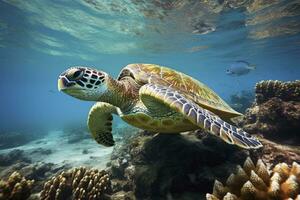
pixel 63 83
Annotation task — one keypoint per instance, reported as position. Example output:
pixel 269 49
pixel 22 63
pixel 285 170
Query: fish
pixel 239 68
pixel 237 105
pixel 51 91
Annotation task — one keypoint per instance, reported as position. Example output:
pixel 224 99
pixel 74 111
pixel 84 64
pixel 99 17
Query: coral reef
pixel 241 100
pixel 171 166
pixel 15 188
pixel 286 91
pixel 257 183
pixel 40 172
pixel 78 183
pixel 276 111
pixel 18 160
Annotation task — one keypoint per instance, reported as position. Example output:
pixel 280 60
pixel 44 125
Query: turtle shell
pixel 188 86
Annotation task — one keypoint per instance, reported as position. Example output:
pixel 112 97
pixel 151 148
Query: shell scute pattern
pixel 189 87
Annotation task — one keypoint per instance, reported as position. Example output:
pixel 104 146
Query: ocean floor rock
pixel 273 153
pixel 75 134
pixel 14 139
pixel 276 112
pixel 171 165
pixel 121 195
pixel 14 156
pixel 16 187
pixel 41 152
pixel 55 148
pixel 256 182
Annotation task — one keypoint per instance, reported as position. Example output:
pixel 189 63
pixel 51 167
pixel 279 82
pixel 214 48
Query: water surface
pixel 39 39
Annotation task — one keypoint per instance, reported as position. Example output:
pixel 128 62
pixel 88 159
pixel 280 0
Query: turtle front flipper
pixel 151 94
pixel 100 123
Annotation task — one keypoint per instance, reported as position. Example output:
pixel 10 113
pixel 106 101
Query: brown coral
pixel 286 91
pixel 15 188
pixel 257 183
pixel 78 183
pixel 276 111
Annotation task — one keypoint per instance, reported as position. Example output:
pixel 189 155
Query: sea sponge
pixel 257 183
pixel 15 188
pixel 78 183
pixel 287 91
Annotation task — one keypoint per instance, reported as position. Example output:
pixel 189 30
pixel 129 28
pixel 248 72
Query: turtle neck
pixel 122 94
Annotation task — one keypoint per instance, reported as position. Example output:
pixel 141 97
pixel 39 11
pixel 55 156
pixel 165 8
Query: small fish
pixel 51 91
pixel 239 68
pixel 237 105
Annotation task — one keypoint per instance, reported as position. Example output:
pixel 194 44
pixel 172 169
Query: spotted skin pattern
pixel 199 116
pixel 84 76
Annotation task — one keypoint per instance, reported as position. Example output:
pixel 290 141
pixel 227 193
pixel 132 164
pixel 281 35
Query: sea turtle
pixel 153 98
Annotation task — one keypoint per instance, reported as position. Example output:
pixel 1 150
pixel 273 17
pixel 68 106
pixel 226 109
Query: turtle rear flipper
pixel 100 123
pixel 199 116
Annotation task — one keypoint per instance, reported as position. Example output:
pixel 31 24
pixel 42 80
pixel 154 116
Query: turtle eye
pixel 77 74
pixel 74 74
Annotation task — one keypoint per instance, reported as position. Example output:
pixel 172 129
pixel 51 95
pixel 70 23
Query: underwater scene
pixel 150 100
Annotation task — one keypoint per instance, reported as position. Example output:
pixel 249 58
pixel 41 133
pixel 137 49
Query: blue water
pixel 39 39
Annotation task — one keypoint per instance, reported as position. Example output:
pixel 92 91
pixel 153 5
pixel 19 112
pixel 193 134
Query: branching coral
pixel 257 183
pixel 79 183
pixel 15 188
pixel 284 90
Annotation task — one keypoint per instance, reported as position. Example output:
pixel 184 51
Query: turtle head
pixel 83 83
